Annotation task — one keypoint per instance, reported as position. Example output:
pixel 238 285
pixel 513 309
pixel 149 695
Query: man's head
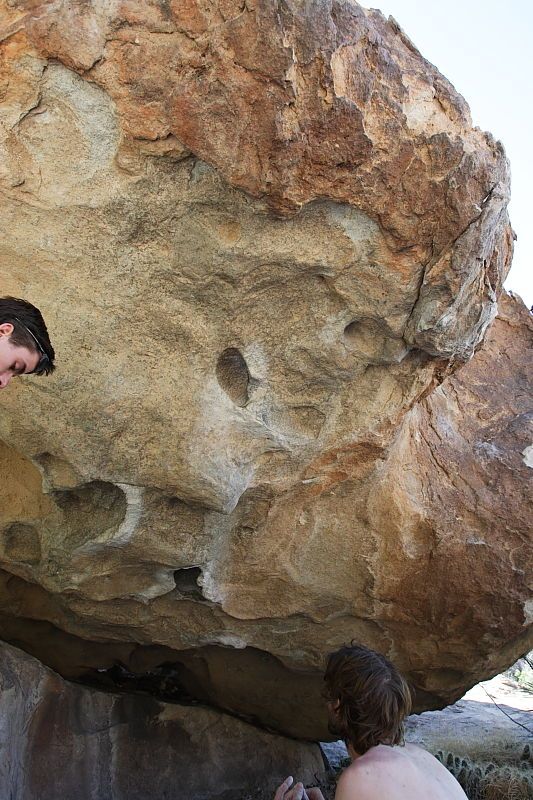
pixel 25 346
pixel 368 699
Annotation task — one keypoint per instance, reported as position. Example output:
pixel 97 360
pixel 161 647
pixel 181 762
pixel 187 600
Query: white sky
pixel 485 48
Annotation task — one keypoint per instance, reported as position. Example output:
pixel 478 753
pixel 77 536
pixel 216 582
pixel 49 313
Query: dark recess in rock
pixel 187 582
pixel 233 375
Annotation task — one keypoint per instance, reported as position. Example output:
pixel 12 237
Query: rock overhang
pixel 261 241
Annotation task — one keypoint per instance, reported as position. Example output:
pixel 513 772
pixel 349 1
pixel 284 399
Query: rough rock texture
pixel 77 742
pixel 261 235
pixel 457 485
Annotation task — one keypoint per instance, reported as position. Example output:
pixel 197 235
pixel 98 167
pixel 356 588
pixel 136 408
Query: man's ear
pixel 6 329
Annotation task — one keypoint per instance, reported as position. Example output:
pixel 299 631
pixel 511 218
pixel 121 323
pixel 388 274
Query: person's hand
pixel 298 792
pixel 284 792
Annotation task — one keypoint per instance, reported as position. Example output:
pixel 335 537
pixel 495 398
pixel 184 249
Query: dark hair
pixel 29 330
pixel 373 697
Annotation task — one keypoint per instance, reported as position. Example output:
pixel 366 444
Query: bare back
pixel 398 773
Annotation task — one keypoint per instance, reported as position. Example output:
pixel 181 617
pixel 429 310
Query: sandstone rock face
pixel 76 742
pixel 264 236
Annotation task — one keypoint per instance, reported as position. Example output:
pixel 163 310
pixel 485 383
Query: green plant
pixel 492 781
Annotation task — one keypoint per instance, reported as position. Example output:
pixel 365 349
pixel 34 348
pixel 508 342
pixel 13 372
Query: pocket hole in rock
pixel 186 581
pixel 355 331
pixel 233 375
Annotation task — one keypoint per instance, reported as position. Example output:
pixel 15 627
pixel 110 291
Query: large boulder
pixel 264 237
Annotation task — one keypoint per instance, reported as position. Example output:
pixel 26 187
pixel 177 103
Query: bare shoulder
pixel 398 773
pixel 361 780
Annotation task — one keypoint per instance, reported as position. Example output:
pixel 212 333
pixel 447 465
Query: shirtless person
pixel 368 701
pixel 25 346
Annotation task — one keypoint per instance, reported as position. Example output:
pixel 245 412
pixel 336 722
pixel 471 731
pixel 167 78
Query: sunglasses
pixel 44 361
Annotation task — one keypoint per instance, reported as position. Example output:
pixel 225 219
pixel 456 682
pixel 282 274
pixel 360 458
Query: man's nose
pixel 5 377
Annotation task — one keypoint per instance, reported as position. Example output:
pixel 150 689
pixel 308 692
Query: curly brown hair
pixel 371 698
